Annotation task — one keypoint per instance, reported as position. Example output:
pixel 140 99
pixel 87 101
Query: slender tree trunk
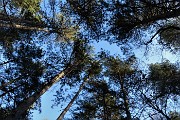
pixel 61 116
pixel 126 103
pixel 25 105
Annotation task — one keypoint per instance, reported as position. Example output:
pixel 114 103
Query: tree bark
pixel 61 116
pixel 25 105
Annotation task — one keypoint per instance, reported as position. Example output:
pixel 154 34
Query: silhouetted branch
pixel 161 30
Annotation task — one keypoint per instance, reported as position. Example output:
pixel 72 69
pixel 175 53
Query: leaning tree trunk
pixel 61 116
pixel 25 105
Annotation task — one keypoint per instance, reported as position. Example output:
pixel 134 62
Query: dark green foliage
pixel 130 16
pixel 108 99
pixel 91 12
pixel 87 111
pixel 3 113
pixel 32 6
pixel 165 77
pixel 100 104
pixel 22 76
pixel 81 56
pixel 170 35
pixel 175 115
pixel 7 37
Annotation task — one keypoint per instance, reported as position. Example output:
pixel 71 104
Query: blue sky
pixel 49 113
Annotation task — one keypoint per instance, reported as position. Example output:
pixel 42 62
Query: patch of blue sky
pixel 47 101
pixel 48 113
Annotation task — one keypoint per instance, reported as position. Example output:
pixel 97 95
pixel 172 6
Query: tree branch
pixel 161 30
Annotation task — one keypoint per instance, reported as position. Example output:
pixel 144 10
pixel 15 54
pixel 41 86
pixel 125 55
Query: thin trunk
pixel 25 105
pixel 126 103
pixel 61 116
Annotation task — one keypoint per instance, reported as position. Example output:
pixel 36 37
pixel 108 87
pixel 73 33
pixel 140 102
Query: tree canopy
pixel 51 42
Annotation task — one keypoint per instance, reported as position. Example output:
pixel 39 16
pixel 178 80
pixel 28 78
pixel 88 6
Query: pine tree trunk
pixel 25 105
pixel 61 116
